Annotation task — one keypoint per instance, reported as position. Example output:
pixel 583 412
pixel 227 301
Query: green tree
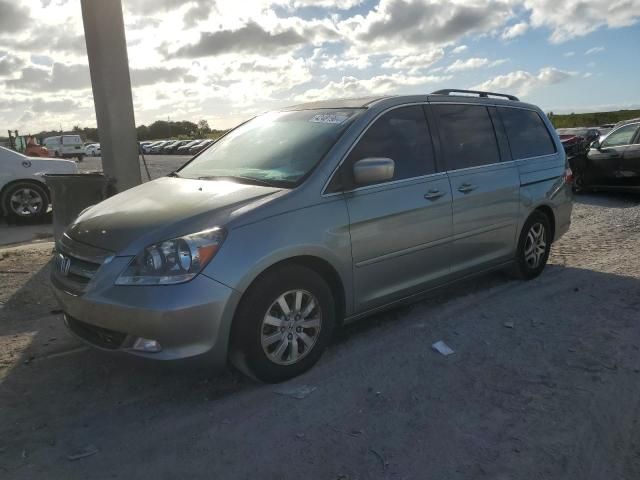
pixel 203 129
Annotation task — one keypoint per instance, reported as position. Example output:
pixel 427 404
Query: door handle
pixel 433 194
pixel 466 188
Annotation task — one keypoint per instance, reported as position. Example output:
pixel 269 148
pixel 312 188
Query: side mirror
pixel 595 144
pixel 373 170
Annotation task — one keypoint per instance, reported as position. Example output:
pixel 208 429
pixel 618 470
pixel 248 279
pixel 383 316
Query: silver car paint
pixel 377 241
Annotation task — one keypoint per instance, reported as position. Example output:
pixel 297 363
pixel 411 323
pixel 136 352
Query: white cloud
pixel 473 63
pixel 523 82
pixel 414 62
pixel 576 18
pixel 341 5
pixel 515 30
pixel 412 25
pixel 225 60
pixel 569 54
pixel 377 85
pixel 594 50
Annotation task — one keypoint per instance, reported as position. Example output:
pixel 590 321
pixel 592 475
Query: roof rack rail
pixel 449 91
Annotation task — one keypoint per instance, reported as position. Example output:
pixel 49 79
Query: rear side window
pixel 466 135
pixel 528 136
pixel 401 135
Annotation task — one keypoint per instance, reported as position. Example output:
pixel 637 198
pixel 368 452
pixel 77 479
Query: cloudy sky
pixel 226 60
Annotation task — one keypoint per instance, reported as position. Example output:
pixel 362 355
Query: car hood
pixel 165 208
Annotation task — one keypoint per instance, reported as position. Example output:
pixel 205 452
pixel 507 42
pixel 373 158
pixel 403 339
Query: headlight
pixel 173 261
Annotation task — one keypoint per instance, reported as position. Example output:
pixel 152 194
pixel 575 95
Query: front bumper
pixel 188 320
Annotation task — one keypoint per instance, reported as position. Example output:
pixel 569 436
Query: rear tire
pixel 289 307
pixel 534 246
pixel 578 182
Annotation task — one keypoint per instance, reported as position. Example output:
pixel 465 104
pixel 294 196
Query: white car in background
pixel 93 150
pixel 65 146
pixel 23 192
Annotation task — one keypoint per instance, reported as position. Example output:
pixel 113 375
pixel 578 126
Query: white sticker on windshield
pixel 334 118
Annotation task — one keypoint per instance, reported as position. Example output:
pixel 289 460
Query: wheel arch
pixel 548 212
pixel 320 266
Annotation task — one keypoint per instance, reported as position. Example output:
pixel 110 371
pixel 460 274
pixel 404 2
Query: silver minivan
pixel 303 219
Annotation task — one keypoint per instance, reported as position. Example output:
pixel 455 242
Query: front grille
pixel 98 336
pixel 79 270
pixel 77 263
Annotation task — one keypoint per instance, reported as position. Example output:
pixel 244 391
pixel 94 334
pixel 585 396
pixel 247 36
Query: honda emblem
pixel 63 263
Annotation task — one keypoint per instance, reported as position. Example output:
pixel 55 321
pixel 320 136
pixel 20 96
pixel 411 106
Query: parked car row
pixel 164 147
pixel 175 147
pixel 71 146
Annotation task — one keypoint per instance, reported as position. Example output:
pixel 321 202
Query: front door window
pixel 622 136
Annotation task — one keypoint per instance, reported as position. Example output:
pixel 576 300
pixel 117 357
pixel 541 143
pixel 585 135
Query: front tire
pixel 25 200
pixel 534 246
pixel 284 323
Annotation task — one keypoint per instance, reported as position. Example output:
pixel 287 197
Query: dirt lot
pixel 544 384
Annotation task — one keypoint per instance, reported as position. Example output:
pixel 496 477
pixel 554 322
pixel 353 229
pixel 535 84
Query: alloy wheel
pixel 535 246
pixel 26 202
pixel 290 327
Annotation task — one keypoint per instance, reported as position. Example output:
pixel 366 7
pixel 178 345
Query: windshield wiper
pixel 174 174
pixel 249 180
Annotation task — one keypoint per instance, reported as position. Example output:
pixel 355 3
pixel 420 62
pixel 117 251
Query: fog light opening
pixel 147 345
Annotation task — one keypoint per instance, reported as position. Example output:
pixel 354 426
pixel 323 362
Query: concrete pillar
pixel 109 66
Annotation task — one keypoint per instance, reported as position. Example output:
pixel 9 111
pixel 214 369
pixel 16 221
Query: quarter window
pixel 528 136
pixel 401 135
pixel 622 136
pixel 466 135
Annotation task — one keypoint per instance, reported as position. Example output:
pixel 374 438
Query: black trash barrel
pixel 72 193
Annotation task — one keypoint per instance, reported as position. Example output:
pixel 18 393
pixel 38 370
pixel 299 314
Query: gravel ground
pixel 544 384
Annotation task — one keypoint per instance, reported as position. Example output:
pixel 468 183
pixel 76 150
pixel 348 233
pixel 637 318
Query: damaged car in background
pixel 576 141
pixel 608 163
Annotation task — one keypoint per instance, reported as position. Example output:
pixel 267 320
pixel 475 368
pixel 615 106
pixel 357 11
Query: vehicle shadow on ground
pixel 34 311
pixel 52 405
pixel 24 222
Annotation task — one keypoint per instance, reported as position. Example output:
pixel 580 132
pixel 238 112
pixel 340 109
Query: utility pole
pixel 111 84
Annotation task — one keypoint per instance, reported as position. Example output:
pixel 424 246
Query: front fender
pixel 320 231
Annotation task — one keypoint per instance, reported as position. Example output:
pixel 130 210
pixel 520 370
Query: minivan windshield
pixel 277 148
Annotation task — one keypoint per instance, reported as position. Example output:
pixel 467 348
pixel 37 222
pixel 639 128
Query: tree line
pixel 591 119
pixel 158 130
